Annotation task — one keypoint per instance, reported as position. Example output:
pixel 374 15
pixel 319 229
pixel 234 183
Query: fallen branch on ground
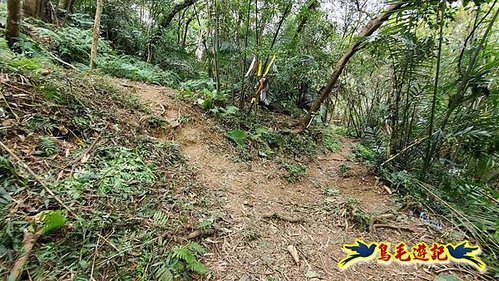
pixel 375 219
pixel 86 154
pixel 284 218
pixel 37 179
pixel 200 233
pixel 294 253
pixel 29 241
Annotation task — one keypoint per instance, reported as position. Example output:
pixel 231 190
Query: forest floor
pixel 260 213
pixel 133 197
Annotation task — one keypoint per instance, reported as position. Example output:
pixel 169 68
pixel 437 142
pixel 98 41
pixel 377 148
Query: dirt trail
pixel 249 246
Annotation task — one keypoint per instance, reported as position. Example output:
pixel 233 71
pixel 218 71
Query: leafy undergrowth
pixel 129 197
pixel 264 134
pixel 71 45
pixel 458 201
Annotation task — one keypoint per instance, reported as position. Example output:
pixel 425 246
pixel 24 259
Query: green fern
pixel 6 167
pixel 181 262
pixel 196 248
pixel 47 146
pixel 41 123
pixel 198 267
pixel 160 218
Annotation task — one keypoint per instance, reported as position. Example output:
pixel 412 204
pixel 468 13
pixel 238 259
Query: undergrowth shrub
pixel 294 171
pixel 124 66
pixel 114 170
pixel 330 140
pixel 182 262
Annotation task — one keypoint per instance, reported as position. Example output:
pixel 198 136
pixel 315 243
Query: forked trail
pixel 250 243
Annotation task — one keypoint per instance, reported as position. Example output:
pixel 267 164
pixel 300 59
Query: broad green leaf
pixel 238 136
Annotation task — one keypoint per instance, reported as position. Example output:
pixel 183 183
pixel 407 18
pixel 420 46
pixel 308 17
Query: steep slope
pixel 258 213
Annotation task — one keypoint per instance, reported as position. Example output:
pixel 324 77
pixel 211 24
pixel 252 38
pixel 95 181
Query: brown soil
pixel 250 246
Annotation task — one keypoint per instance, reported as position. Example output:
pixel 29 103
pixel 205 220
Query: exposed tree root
pixel 284 218
pixel 29 241
pixel 200 233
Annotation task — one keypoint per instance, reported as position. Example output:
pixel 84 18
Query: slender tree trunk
pixel 217 44
pixel 186 30
pixel 63 4
pixel 42 12
pixel 169 17
pixel 70 5
pixel 429 148
pixel 241 100
pixel 310 6
pixel 14 18
pixel 371 27
pixel 96 33
pixel 30 8
pixel 281 21
pixel 256 23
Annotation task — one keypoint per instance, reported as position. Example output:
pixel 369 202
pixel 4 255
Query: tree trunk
pixel 96 33
pixel 30 8
pixel 429 148
pixel 63 4
pixel 14 18
pixel 70 5
pixel 311 5
pixel 169 17
pixel 370 28
pixel 42 12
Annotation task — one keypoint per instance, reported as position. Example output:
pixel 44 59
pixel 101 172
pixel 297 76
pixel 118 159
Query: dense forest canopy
pixel 417 82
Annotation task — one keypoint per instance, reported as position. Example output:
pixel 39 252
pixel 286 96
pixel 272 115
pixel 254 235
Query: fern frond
pixel 47 145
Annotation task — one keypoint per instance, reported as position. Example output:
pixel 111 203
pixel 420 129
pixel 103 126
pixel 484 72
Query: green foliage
pixel 47 146
pixel 268 141
pixel 361 152
pixel 210 99
pixel 205 224
pixel 331 191
pixel 52 220
pixel 31 58
pixel 294 171
pixel 447 277
pixel 116 170
pixel 344 170
pixel 167 153
pixel 42 123
pixel 72 43
pixel 51 93
pixel 10 181
pixel 302 145
pixel 238 136
pixel 132 68
pixel 331 141
pixel 358 216
pixel 221 112
pixel 160 218
pixel 181 262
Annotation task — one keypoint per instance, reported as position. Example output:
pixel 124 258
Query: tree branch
pixel 370 28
